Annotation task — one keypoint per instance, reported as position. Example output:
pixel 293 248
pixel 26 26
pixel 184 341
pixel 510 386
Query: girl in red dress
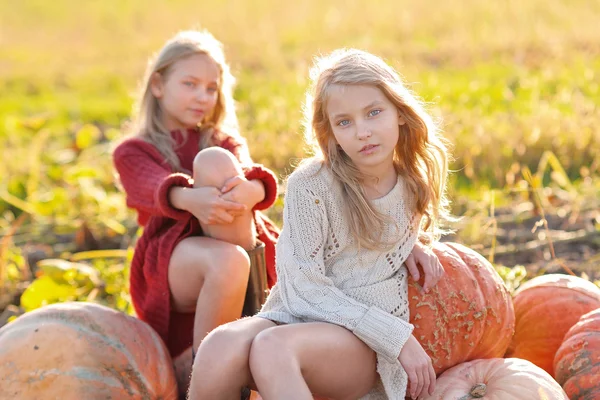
pixel 206 251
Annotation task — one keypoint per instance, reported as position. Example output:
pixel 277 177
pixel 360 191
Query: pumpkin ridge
pixel 91 328
pixel 577 360
pixel 496 378
pixel 545 313
pixel 102 353
pixel 467 315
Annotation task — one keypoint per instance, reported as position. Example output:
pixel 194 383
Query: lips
pixel 368 147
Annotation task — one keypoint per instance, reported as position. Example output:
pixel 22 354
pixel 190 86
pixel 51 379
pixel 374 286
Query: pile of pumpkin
pixel 542 343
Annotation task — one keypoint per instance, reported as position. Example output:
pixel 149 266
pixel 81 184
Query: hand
pixel 241 190
pixel 418 366
pixel 208 205
pixel 429 262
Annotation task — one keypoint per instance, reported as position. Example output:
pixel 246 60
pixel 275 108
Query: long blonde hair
pixel 420 157
pixel 147 117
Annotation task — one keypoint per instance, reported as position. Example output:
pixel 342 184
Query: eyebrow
pixel 198 79
pixel 370 105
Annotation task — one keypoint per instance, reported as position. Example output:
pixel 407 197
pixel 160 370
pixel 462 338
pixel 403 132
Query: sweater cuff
pixel 161 195
pixel 383 332
pixel 269 181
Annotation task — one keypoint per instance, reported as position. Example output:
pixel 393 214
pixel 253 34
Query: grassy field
pixel 516 84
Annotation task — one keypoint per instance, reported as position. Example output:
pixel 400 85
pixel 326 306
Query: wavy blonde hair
pixel 147 116
pixel 420 156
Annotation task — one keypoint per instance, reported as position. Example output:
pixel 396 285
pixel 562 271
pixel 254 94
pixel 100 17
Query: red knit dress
pixel 147 178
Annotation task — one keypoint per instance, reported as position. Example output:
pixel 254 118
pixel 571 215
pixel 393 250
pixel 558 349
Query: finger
pixel 235 213
pixel 412 267
pixel 441 268
pixel 424 381
pixel 228 205
pixel 431 379
pixel 223 217
pixel 436 272
pixel 427 282
pixel 413 381
pixel 231 183
pixel 439 272
pixel 420 381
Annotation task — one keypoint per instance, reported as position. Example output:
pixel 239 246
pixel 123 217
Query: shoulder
pixel 135 146
pixel 311 174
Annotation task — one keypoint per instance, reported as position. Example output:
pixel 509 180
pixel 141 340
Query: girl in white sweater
pixel 336 323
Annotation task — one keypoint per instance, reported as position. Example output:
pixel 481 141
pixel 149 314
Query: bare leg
pixel 209 277
pixel 213 167
pixel 220 264
pixel 221 368
pixel 293 361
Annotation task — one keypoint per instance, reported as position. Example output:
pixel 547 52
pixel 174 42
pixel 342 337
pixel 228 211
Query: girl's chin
pixel 192 124
pixel 374 163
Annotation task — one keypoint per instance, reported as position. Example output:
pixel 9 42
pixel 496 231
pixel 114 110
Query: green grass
pixel 510 80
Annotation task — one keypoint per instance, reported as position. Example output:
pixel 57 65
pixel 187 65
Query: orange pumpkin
pixel 546 307
pixel 497 378
pixel 468 315
pixel 577 361
pixel 83 351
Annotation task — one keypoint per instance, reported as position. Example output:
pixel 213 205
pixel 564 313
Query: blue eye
pixel 374 113
pixel 189 84
pixel 211 89
pixel 343 122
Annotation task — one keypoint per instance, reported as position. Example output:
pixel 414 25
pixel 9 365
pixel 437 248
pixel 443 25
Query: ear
pixel 401 120
pixel 156 85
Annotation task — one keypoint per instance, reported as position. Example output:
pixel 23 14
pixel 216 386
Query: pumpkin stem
pixel 478 390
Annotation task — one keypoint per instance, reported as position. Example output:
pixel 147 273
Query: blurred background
pixel 516 84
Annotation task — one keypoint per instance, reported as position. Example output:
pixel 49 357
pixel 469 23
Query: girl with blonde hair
pixel 336 322
pixel 207 253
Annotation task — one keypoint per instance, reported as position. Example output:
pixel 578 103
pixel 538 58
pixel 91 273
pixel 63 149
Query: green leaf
pixel 17 202
pixel 87 136
pixel 62 271
pixel 45 290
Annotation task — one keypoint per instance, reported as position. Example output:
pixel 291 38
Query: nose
pixel 363 131
pixel 202 95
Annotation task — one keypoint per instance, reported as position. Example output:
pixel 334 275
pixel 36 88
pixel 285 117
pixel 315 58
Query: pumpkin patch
pixel 546 307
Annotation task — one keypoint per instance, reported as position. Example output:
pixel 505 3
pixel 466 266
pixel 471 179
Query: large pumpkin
pixel 468 315
pixel 496 378
pixel 83 351
pixel 546 307
pixel 577 361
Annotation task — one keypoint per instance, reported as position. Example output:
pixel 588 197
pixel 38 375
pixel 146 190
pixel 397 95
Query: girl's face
pixel 366 125
pixel 189 92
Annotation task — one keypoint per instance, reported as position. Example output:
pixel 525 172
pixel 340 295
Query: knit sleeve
pixel 308 293
pixel 147 179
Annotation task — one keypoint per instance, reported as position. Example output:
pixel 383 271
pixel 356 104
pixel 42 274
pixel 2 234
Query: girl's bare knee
pixel 231 268
pixel 269 353
pixel 222 347
pixel 214 166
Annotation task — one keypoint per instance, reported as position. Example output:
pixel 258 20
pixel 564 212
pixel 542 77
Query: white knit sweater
pixel 323 277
